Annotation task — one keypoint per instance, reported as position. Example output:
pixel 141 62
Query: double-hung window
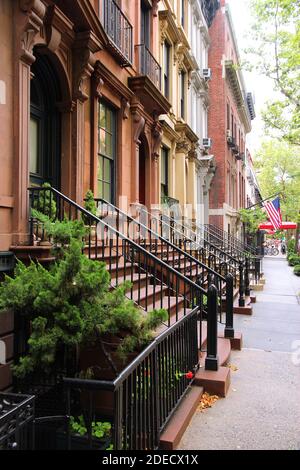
pixel 106 152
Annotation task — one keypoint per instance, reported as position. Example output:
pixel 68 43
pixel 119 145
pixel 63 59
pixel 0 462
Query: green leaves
pixel 72 304
pixel 275 53
pixel 252 218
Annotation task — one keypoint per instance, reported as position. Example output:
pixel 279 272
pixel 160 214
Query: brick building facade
pixel 229 120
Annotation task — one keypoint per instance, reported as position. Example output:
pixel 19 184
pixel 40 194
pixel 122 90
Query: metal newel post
pixel 212 361
pixel 247 280
pixel 229 331
pixel 257 269
pixel 241 288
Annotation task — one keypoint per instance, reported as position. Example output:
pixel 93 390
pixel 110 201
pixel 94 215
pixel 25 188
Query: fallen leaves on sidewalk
pixel 207 401
pixel 232 367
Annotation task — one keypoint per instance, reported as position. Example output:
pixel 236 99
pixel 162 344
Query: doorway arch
pixel 144 171
pixel 45 123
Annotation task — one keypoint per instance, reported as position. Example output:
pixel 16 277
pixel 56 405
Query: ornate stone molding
pixel 35 11
pixel 183 144
pixel 179 57
pixel 125 108
pixel 157 135
pixel 193 154
pixel 163 31
pixel 85 45
pixel 138 124
pixel 155 7
pixel 97 82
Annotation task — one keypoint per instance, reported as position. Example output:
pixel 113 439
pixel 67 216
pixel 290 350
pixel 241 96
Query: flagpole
pixel 259 203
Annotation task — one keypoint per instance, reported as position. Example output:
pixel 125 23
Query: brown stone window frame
pixel 107 150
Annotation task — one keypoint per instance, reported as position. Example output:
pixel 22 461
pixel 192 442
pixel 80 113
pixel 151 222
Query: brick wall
pixel 216 115
pixel 224 189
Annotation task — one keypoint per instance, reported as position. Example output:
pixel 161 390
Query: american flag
pixel 273 210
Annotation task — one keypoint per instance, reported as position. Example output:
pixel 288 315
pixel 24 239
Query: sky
pixel 261 87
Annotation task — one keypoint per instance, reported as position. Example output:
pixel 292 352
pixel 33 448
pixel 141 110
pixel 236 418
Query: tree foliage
pixel 278 170
pixel 275 53
pixel 252 218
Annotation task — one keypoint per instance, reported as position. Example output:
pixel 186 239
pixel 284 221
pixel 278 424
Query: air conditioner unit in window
pixel 206 74
pixel 207 142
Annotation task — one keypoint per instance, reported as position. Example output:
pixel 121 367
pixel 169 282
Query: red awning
pixel 284 226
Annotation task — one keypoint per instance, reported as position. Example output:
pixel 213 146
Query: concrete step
pixel 177 425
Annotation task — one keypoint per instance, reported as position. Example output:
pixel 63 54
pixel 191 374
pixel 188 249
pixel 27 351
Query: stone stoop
pixel 177 425
pixel 247 310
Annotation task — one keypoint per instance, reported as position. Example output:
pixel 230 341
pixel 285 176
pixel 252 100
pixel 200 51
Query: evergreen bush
pixel 297 270
pixel 89 205
pixel 71 305
pixel 293 259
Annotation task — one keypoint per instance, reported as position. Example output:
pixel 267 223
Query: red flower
pixel 189 375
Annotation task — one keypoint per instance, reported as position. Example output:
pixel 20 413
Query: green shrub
pixel 293 259
pixel 45 202
pixel 291 246
pixel 297 270
pixel 72 305
pixel 89 205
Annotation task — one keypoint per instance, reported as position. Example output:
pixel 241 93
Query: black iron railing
pixel 160 283
pixel 148 391
pixel 180 234
pixel 182 256
pixel 230 240
pixel 148 65
pixel 16 421
pixel 118 29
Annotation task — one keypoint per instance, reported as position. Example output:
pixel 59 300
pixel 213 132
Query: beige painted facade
pixel 178 139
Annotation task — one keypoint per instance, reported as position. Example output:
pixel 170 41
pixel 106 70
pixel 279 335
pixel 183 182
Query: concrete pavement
pixel 262 408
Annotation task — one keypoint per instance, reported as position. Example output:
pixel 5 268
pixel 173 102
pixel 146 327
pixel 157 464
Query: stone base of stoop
pixel 257 287
pixel 236 342
pixel 214 382
pixel 253 299
pixel 177 425
pixel 246 310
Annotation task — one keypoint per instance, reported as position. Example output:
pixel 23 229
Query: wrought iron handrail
pixel 148 391
pixel 186 293
pixel 179 257
pixel 234 241
pixel 156 236
pixel 118 29
pixel 216 256
pixel 148 65
pixel 226 246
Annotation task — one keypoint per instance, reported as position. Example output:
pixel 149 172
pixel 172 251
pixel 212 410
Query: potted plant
pixel 71 307
pixel 44 204
pixel 100 435
pixel 90 206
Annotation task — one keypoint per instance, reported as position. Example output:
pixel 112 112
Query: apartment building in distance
pixel 229 121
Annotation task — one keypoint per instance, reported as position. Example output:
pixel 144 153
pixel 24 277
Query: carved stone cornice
pixel 155 7
pixel 97 82
pixel 168 27
pixel 58 27
pixel 183 145
pixel 138 122
pixel 183 58
pixel 157 135
pixel 35 11
pixel 193 153
pixel 125 108
pixel 85 46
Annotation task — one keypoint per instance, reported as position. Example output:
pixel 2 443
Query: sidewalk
pixel 262 408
